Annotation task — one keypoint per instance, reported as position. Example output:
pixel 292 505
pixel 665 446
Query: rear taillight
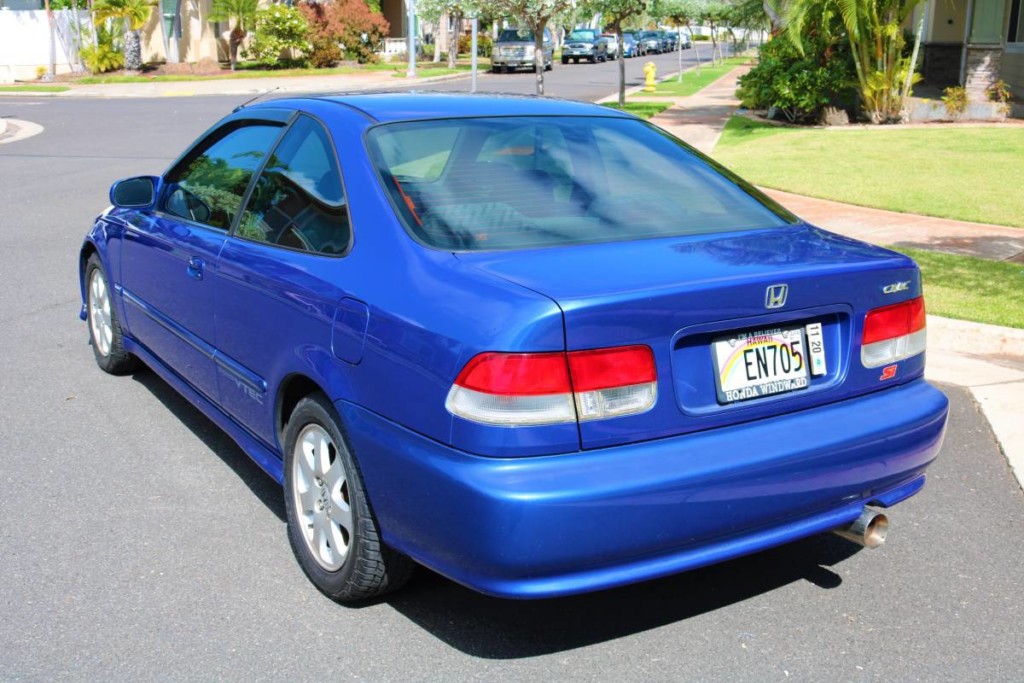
pixel 893 333
pixel 550 388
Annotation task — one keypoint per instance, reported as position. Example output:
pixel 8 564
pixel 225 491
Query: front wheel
pixel 104 327
pixel 331 527
pixel 565 60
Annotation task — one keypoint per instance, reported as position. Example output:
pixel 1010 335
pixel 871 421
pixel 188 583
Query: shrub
pixel 103 56
pixel 798 85
pixel 955 99
pixel 325 52
pixel 484 45
pixel 278 28
pixel 999 92
pixel 351 23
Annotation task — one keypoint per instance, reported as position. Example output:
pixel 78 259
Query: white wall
pixel 25 43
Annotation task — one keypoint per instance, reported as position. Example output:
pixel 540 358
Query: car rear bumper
pixel 515 62
pixel 557 525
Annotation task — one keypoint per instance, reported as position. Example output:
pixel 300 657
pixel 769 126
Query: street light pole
pixel 476 25
pixel 411 41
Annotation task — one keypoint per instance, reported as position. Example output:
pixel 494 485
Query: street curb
pixel 975 339
pixel 235 87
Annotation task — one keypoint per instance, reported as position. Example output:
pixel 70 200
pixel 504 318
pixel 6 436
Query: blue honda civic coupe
pixel 540 347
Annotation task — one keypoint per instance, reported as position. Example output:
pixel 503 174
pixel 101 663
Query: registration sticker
pixel 763 363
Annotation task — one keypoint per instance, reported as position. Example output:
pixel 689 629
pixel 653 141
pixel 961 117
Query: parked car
pixel 612 41
pixel 686 40
pixel 669 40
pixel 515 49
pixel 630 46
pixel 536 345
pixel 651 41
pixel 585 43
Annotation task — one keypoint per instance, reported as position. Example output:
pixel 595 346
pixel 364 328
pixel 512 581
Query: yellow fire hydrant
pixel 649 75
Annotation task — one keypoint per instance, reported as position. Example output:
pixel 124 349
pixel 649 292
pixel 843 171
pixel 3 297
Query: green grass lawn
pixel 969 288
pixel 969 174
pixel 34 88
pixel 644 110
pixel 695 80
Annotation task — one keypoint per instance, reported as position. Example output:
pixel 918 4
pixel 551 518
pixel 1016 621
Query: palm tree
pixel 134 14
pixel 241 13
pixel 873 28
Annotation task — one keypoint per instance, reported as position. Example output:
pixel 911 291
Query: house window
pixel 987 22
pixel 1016 30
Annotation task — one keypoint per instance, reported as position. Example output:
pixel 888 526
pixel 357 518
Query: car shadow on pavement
pixel 492 628
pixel 223 446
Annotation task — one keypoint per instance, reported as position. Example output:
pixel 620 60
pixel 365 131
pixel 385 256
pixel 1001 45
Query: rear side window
pixel 526 182
pixel 298 201
pixel 209 184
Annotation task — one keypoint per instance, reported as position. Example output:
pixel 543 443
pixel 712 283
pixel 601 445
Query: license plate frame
pixel 760 363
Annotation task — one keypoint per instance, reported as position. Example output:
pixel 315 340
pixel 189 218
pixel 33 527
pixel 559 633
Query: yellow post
pixel 649 76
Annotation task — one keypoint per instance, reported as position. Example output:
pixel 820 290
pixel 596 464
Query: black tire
pixel 565 60
pixel 368 568
pixel 109 352
pixel 549 66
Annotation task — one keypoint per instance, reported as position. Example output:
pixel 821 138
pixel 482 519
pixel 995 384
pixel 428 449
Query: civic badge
pixel 775 297
pixel 896 287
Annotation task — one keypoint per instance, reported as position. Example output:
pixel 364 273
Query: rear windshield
pixel 524 182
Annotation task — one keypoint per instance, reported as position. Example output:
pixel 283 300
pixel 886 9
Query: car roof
pixel 408 106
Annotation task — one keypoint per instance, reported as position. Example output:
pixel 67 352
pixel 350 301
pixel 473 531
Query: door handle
pixel 195 268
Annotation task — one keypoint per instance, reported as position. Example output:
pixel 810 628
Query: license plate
pixel 763 363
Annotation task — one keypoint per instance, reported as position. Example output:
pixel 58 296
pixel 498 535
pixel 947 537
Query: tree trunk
pixel 696 51
pixel 234 41
pixel 679 51
pixel 132 51
pixel 453 39
pixel 538 54
pixel 622 66
pixel 437 43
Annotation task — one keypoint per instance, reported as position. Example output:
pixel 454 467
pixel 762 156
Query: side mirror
pixel 134 193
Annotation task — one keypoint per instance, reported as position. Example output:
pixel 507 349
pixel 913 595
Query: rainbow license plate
pixel 752 365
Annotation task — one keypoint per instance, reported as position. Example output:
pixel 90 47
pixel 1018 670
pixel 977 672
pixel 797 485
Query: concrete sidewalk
pixel 986 359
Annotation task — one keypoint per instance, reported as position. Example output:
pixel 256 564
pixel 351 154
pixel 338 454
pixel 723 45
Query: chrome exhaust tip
pixel 869 530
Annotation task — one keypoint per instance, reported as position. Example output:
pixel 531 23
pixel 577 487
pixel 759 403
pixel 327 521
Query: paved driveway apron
pixel 138 543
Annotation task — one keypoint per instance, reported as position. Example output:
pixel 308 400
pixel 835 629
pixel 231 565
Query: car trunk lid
pixel 702 303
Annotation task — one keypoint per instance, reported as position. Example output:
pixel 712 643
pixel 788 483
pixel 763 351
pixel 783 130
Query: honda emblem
pixel 775 297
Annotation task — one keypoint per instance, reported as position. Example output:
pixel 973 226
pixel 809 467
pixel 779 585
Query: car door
pixel 281 299
pixel 169 256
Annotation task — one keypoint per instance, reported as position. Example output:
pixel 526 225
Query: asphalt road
pixel 137 542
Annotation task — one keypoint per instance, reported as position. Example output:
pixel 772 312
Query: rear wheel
pixel 565 60
pixel 331 527
pixel 104 327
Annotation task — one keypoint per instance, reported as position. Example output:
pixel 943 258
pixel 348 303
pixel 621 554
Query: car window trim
pixel 252 187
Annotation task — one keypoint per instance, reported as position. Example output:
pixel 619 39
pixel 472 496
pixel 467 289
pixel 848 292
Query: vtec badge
pixel 775 297
pixel 896 287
